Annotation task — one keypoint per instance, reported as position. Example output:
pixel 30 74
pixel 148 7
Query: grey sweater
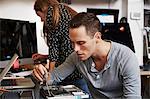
pixel 120 77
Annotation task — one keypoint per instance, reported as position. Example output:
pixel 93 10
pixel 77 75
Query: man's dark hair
pixel 89 20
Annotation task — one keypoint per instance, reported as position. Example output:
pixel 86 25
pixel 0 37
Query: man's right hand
pixel 39 72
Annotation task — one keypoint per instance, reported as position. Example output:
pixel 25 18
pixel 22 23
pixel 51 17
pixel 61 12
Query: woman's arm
pixel 52 66
pixel 38 56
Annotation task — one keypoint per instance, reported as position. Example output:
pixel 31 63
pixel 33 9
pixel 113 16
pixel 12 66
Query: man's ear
pixel 97 35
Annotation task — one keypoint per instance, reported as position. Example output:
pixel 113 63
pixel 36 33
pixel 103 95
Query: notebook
pixel 15 82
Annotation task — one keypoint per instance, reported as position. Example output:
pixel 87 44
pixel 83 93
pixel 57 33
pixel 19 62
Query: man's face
pixel 83 44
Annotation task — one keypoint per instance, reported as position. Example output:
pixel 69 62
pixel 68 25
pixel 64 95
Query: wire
pixel 48 88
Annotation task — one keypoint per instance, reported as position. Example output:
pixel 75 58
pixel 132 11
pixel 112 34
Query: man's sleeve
pixel 131 77
pixel 65 69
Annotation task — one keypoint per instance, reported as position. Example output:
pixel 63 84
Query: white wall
pixel 136 26
pixel 23 10
pixel 81 5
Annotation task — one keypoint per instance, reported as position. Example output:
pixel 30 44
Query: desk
pixel 17 93
pixel 145 83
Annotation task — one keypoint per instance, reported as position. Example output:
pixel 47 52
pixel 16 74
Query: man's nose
pixel 76 48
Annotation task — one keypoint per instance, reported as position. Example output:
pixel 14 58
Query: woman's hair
pixel 70 10
pixel 89 20
pixel 40 4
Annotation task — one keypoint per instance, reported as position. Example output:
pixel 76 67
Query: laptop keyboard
pixel 8 82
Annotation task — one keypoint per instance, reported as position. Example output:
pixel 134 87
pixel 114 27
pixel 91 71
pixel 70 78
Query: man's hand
pixel 39 72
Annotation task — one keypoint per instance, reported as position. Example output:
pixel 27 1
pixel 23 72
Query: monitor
pixel 106 18
pixel 105 15
pixel 17 36
pixel 119 33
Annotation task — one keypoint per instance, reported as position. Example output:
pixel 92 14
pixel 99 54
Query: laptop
pixel 14 82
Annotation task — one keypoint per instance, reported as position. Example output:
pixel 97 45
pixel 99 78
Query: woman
pixel 56 18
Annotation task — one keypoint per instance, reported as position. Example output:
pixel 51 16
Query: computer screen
pixel 17 36
pixel 119 33
pixel 105 15
pixel 106 18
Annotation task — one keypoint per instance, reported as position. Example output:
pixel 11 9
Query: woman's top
pixel 58 38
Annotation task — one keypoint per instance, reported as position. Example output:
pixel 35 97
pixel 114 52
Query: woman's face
pixel 41 15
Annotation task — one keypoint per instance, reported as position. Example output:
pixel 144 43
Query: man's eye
pixel 81 43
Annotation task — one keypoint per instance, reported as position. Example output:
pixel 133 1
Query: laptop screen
pixel 8 66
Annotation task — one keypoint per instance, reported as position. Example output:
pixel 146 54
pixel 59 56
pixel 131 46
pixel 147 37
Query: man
pixel 110 69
